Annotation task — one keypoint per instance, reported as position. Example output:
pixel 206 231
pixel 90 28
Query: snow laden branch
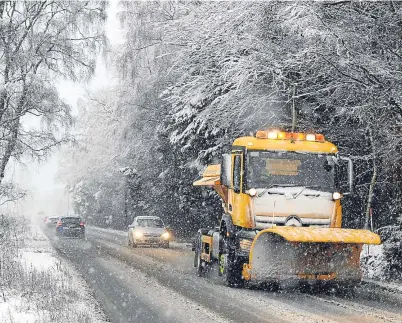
pixel 10 193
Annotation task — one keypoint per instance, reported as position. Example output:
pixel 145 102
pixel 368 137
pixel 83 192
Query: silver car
pixel 148 230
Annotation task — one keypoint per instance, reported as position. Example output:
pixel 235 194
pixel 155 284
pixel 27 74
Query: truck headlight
pixel 336 196
pixel 137 234
pixel 252 192
pixel 165 235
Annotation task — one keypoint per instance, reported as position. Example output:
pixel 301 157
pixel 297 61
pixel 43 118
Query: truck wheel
pixel 196 244
pixel 230 269
pixel 230 266
pixel 198 262
pixel 200 267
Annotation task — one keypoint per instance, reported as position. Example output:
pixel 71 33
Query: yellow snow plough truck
pixel 282 220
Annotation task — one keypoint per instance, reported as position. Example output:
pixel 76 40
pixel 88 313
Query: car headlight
pixel 165 235
pixel 137 234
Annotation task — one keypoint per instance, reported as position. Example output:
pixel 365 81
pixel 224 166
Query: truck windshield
pixel 276 168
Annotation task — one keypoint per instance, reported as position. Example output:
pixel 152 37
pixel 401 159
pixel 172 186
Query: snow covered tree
pixel 339 57
pixel 40 41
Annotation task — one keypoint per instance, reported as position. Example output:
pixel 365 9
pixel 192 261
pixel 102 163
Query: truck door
pixel 236 207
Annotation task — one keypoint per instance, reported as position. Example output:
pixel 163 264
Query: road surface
pixel 160 285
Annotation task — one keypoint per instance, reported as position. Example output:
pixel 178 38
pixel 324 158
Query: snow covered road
pixel 160 285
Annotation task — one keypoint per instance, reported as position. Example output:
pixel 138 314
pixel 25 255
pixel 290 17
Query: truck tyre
pixel 231 270
pixel 230 266
pixel 200 267
pixel 198 262
pixel 196 242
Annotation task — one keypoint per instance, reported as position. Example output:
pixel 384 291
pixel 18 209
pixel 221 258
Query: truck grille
pixel 265 222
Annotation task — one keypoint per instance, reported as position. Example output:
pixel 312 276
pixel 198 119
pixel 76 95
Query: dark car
pixel 70 226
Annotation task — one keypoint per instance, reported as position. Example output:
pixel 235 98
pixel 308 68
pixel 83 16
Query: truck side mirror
pixel 346 175
pixel 226 177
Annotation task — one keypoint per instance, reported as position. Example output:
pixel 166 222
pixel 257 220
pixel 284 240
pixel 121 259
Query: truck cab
pixel 278 178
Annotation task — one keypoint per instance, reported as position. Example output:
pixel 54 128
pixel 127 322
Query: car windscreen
pixel 150 223
pixel 71 220
pixel 279 168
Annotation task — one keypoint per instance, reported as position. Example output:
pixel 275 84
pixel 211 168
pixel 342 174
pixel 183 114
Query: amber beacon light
pixel 283 135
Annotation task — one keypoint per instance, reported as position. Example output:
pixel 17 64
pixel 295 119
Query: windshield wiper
pixel 319 187
pixel 277 185
pixel 299 192
pixel 303 187
pixel 312 186
pixel 266 189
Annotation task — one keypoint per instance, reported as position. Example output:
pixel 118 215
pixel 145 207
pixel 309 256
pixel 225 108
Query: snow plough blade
pixel 210 177
pixel 294 253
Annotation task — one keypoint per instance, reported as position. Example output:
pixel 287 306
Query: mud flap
pixel 289 253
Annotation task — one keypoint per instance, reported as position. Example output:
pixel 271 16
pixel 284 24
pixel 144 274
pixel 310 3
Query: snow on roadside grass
pixel 9 311
pixel 41 261
pixel 374 266
pixel 373 262
pixel 46 289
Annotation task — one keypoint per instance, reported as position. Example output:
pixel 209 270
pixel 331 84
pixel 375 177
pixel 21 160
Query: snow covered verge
pixel 379 269
pixel 373 262
pixel 35 286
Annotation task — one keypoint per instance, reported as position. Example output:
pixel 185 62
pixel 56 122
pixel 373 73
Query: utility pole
pixel 68 202
pixel 372 182
pixel 68 199
pixel 294 117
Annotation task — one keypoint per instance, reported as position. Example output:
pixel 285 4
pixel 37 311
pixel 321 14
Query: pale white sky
pixel 46 192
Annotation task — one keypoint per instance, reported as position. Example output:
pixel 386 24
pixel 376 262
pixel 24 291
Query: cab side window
pixel 237 174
